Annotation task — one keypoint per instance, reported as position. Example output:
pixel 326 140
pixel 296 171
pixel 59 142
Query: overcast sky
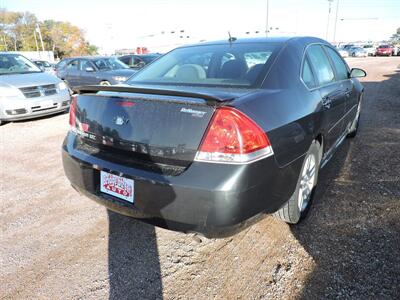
pixel 116 24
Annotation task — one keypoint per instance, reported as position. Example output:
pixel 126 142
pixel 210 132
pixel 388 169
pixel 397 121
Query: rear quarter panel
pixel 287 111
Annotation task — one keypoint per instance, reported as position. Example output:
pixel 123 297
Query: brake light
pixel 232 137
pixel 72 112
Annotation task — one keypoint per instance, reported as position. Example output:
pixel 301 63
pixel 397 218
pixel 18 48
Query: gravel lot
pixel 57 244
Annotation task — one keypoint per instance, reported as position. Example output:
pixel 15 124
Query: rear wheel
pixel 299 203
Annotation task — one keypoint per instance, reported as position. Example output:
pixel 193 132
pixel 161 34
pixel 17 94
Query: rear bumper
pixel 32 108
pixel 212 199
pixel 383 53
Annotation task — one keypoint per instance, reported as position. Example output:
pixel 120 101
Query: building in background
pixel 37 55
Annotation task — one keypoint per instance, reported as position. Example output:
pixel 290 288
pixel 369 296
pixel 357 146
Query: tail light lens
pixel 76 125
pixel 232 137
pixel 72 112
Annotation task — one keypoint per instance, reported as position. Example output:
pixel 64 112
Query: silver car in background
pixel 357 52
pixel 27 92
pixel 342 52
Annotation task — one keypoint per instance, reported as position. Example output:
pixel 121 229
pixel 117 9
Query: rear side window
pixel 73 65
pixel 341 69
pixel 61 64
pixel 321 65
pixel 125 60
pixel 85 64
pixel 307 75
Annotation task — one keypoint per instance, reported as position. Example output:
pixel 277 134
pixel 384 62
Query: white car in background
pixel 27 92
pixel 370 49
pixel 343 52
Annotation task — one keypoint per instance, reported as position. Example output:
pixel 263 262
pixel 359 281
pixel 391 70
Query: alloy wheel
pixel 306 182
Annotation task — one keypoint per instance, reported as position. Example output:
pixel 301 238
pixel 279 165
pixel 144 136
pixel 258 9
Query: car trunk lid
pixel 155 127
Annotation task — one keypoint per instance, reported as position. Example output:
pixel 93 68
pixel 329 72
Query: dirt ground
pixel 56 244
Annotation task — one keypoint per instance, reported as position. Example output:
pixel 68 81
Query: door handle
pixel 326 102
pixel 348 93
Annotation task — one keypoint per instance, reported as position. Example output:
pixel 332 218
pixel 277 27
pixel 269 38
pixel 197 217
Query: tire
pixel 295 209
pixel 356 122
pixel 105 82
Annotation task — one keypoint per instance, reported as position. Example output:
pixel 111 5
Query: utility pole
pixel 37 46
pixel 266 20
pixel 336 17
pixel 5 42
pixel 40 36
pixel 329 15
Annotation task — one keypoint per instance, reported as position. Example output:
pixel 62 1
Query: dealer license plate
pixel 117 186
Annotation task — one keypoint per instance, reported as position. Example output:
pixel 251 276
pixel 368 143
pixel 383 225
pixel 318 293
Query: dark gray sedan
pixel 210 137
pixel 94 70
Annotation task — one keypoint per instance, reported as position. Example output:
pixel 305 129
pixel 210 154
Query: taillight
pixel 232 137
pixel 76 125
pixel 72 112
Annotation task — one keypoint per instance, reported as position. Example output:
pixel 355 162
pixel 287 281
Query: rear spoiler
pixel 210 99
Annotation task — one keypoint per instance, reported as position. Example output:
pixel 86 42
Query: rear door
pixel 333 99
pixel 73 73
pixel 346 85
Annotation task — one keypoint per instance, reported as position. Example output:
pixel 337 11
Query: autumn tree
pixel 396 37
pixel 19 32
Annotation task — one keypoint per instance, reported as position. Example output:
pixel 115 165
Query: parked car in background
pixel 342 52
pixel 210 137
pixel 136 61
pixel 357 52
pixel 26 91
pixel 370 49
pixel 94 70
pixel 385 50
pixel 396 50
pixel 348 46
pixel 61 64
pixel 45 66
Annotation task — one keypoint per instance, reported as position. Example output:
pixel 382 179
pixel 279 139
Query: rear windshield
pixel 384 46
pixel 238 65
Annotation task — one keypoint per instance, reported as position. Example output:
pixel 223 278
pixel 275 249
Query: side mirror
pixel 89 69
pixel 355 73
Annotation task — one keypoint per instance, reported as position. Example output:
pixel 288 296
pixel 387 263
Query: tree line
pixel 22 31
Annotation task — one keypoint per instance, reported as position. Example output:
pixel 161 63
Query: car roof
pixel 88 57
pixel 141 55
pixel 279 40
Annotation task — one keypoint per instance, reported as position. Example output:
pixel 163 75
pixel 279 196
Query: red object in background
pixel 142 50
pixel 385 50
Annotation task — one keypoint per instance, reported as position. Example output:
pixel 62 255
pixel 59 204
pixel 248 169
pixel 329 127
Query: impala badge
pixel 194 113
